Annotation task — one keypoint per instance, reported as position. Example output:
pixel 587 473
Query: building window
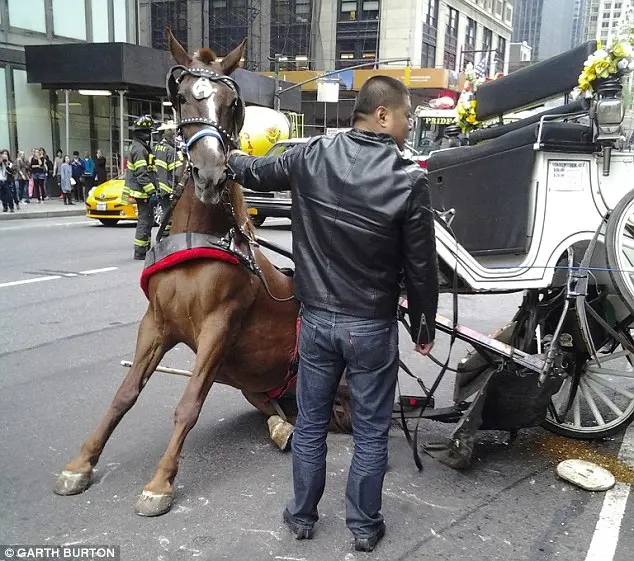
pixel 120 9
pixel 469 46
pixel 172 13
pixel 363 10
pixel 348 10
pixel 499 4
pixel 605 24
pixel 99 9
pixel 500 58
pixel 69 19
pixel 290 32
pixel 451 39
pixel 430 32
pixel 430 8
pixel 508 14
pixel 351 53
pixel 593 18
pixel 27 15
pixel 428 59
pixel 487 44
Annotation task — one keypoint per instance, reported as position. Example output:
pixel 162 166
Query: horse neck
pixel 190 215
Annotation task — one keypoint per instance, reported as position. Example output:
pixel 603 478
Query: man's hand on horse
pixel 424 349
pixel 237 152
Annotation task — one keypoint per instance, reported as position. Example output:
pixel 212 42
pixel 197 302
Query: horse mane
pixel 240 212
pixel 204 55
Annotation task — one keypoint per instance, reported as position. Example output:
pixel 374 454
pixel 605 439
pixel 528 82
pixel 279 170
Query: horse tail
pixel 341 418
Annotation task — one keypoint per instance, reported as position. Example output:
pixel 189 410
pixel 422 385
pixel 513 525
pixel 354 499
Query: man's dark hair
pixel 376 92
pixel 75 153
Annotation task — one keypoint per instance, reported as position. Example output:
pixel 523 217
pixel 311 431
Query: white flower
pixel 623 64
pixel 631 65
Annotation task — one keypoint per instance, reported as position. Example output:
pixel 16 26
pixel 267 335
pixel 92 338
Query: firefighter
pixel 140 182
pixel 169 162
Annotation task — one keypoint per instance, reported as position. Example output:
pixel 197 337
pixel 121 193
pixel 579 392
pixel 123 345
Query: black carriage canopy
pixel 489 183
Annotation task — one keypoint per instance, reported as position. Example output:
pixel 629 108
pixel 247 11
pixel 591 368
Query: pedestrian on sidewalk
pixel 6 182
pixel 39 174
pixel 22 176
pixel 88 177
pixel 66 174
pixel 78 171
pixel 101 175
pixel 48 167
pixel 361 217
pixel 57 168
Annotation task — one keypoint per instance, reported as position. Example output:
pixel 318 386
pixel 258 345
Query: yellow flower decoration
pixel 603 63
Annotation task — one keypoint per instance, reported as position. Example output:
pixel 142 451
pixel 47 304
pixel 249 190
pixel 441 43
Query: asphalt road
pixel 61 341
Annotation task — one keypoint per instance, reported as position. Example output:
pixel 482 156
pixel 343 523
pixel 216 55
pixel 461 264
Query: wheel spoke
pixel 576 410
pixel 590 400
pixel 609 372
pixel 611 356
pixel 605 384
pixel 598 391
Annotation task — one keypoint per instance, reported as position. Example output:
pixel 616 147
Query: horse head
pixel 209 112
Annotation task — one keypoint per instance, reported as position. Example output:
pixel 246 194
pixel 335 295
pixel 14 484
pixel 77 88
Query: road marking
pixel 29 281
pixel 30 226
pixel 95 271
pixel 606 533
pixel 55 277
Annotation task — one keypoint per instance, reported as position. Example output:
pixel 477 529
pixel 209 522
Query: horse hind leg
pixel 150 349
pixel 157 496
pixel 280 430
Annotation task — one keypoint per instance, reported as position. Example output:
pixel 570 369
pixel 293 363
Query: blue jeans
pixel 367 349
pixel 6 194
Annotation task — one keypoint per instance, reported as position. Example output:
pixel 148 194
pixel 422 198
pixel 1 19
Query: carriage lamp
pixel 609 115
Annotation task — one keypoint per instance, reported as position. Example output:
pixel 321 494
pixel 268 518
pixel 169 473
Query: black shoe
pixel 368 544
pixel 139 256
pixel 300 532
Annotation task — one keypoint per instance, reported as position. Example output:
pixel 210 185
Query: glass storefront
pixel 32 114
pixel 4 121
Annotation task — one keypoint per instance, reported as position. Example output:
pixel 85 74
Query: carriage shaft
pixel 532 362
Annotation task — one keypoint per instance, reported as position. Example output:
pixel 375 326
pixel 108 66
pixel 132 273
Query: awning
pixel 138 70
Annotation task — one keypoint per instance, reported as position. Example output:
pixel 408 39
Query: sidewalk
pixel 53 208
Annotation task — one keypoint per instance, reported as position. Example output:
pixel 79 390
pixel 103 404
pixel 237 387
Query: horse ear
pixel 179 54
pixel 232 60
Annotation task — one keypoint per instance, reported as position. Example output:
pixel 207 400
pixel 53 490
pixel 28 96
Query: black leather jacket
pixel 361 216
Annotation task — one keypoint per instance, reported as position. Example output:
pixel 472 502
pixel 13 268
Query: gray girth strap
pixel 190 240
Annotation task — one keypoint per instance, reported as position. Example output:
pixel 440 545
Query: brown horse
pixel 223 311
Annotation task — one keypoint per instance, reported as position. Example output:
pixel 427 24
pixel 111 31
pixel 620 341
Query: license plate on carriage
pixel 102 206
pixel 252 211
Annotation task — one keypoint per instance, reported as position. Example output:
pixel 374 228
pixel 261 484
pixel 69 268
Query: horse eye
pixel 181 99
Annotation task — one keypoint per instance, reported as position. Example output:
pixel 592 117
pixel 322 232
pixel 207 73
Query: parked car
pixel 104 204
pixel 272 204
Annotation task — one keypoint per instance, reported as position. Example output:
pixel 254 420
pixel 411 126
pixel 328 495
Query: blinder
pixel 228 138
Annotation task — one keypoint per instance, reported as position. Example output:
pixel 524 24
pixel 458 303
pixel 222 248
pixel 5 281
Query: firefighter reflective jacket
pixel 140 175
pixel 168 166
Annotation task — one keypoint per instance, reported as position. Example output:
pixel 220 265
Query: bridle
pixel 202 90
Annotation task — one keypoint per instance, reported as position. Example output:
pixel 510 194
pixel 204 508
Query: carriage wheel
pixel 619 244
pixel 597 401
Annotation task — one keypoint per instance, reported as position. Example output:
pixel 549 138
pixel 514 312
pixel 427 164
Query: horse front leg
pixel 157 496
pixel 150 349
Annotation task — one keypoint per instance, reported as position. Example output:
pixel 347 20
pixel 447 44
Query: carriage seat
pixel 490 185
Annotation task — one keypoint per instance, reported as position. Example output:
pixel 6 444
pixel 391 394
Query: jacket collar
pixel 372 136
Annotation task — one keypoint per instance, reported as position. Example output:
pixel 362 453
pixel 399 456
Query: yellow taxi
pixel 104 204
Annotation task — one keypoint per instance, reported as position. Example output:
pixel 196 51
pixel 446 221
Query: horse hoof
pixel 281 432
pixel 153 504
pixel 71 483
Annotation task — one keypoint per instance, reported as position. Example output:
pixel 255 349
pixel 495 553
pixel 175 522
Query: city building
pixel 546 25
pixel 604 19
pixel 577 23
pixel 310 36
pixel 34 117
pixel 331 34
pixel 520 56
